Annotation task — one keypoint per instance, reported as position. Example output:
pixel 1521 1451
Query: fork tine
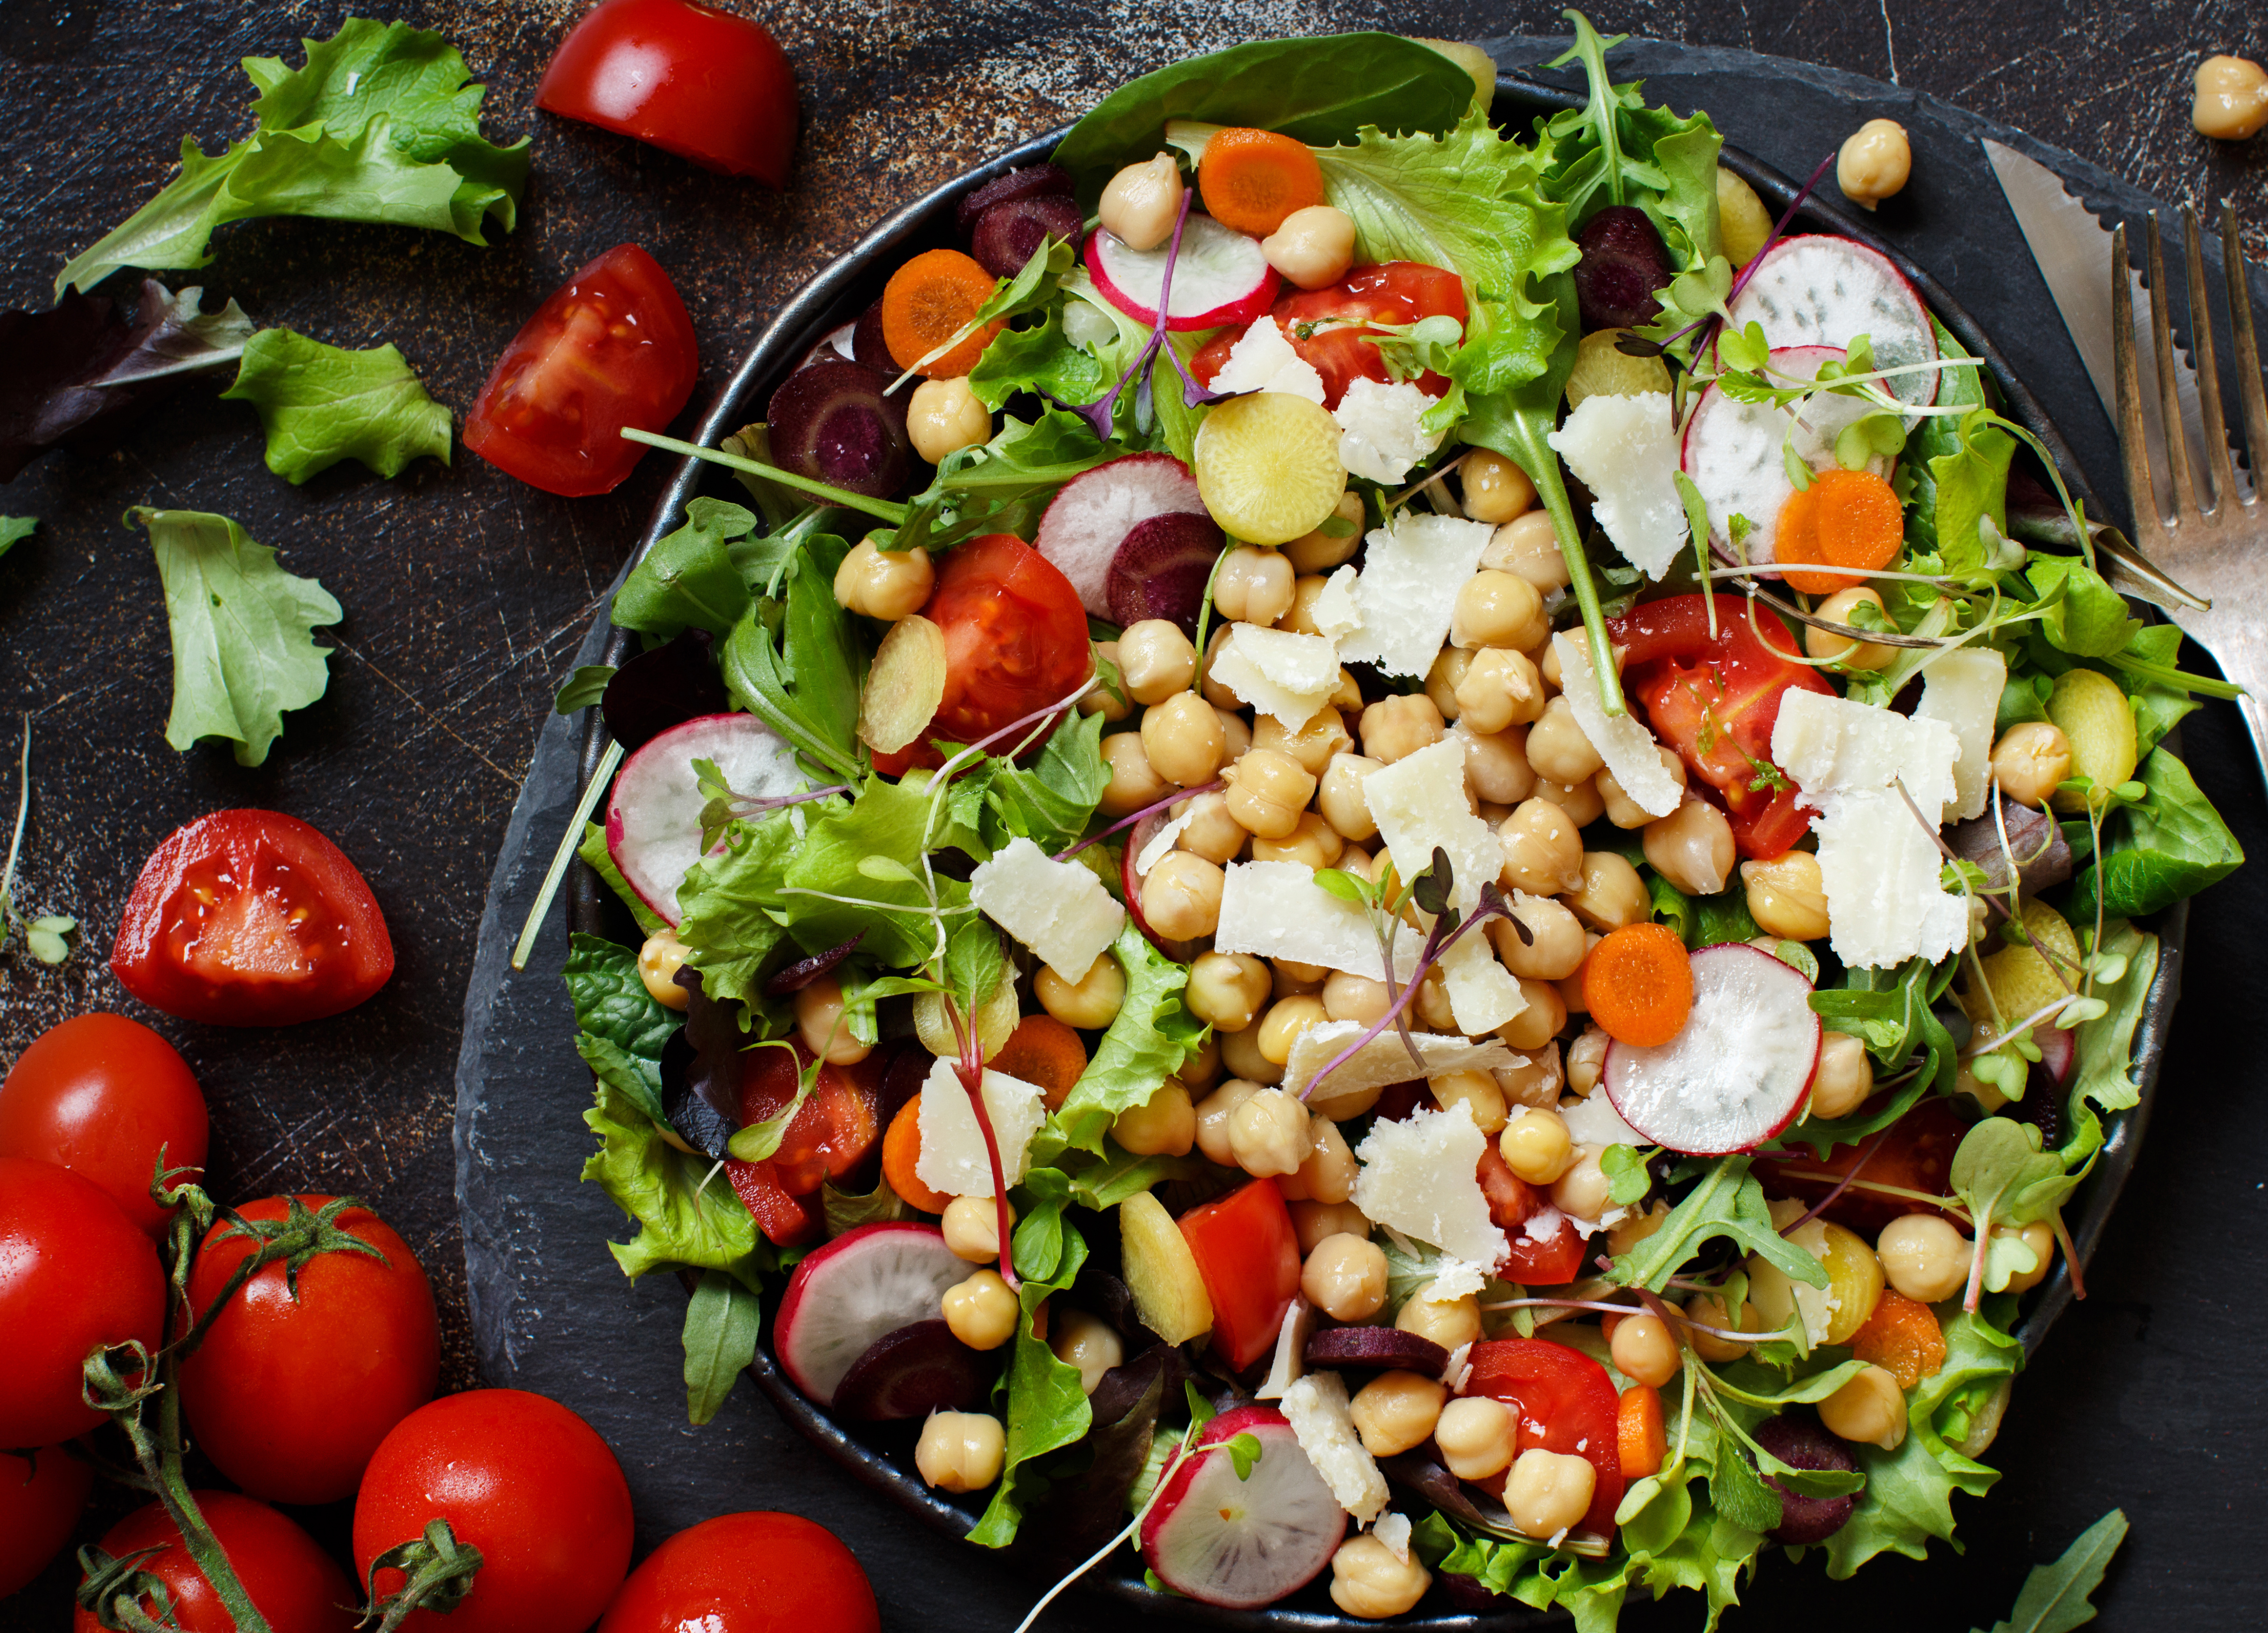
pixel 2133 453
pixel 2247 350
pixel 2218 471
pixel 2170 397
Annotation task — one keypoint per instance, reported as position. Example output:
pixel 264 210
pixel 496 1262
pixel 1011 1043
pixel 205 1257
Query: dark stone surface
pixel 467 592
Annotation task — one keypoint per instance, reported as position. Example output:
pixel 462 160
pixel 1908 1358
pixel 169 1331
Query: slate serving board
pixel 552 1312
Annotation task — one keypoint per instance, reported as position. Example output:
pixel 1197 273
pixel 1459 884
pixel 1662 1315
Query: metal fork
pixel 2218 549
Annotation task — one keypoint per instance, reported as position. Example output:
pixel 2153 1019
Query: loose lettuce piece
pixel 320 404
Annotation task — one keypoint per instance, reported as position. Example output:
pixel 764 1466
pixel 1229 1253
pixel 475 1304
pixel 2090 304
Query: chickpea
pixel 1692 847
pixel 1214 1114
pixel 1543 851
pixel 1499 688
pixel 1240 1054
pixel 1371 1581
pixel 1395 1412
pixel 972 1228
pixel 1225 990
pixel 1495 488
pixel 1587 1061
pixel 1267 790
pixel 1475 1090
pixel 1432 1002
pixel 1316 1221
pixel 1201 1071
pixel 1621 809
pixel 1340 798
pixel 1288 978
pixel 659 959
pixel 1625 1234
pixel 1528 545
pixel 1554 946
pixel 1212 691
pixel 1268 1134
pixel 1156 660
pixel 1644 1350
pixel 1543 1019
pixel 1709 1309
pixel 1285 1022
pixel 822 1026
pixel 1090 1003
pixel 1254 585
pixel 1396 727
pixel 1313 745
pixel 1844 1077
pixel 1535 1146
pixel 1347 698
pixel 1354 997
pixel 1582 801
pixel 2029 760
pixel 1571 990
pixel 1557 747
pixel 1871 1409
pixel 1103 700
pixel 1874 162
pixel 981 1311
pixel 1825 645
pixel 1476 1435
pixel 1612 894
pixel 1787 897
pixel 1318 552
pixel 1314 247
pixel 1534 1081
pixel 1328 1175
pixel 1448 1322
pixel 1237 734
pixel 1345 1277
pixel 1314 843
pixel 1497 772
pixel 2038 1236
pixel 887 584
pixel 960 1451
pixel 1211 833
pixel 1141 203
pixel 1448 671
pixel 1182 897
pixel 1182 739
pixel 1497 608
pixel 1548 1492
pixel 1924 1256
pixel 1584 1191
pixel 2231 102
pixel 945 416
pixel 1134 782
pixel 1164 1125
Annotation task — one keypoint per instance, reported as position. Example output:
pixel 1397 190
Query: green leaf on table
pixel 242 630
pixel 722 1322
pixel 320 404
pixel 2054 1598
pixel 2173 844
pixel 690 579
pixel 15 527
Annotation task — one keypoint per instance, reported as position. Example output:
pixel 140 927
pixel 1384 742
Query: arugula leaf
pixel 690 579
pixel 15 527
pixel 805 685
pixel 687 1214
pixel 2054 1598
pixel 600 860
pixel 622 1028
pixel 320 404
pixel 1151 1039
pixel 379 125
pixel 1616 149
pixel 2106 1043
pixel 1047 1407
pixel 2174 844
pixel 1003 485
pixel 586 686
pixel 242 631
pixel 1727 1201
pixel 1740 1493
pixel 722 1322
pixel 1051 801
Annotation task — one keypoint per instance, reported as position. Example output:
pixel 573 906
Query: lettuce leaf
pixel 1046 1407
pixel 1151 1039
pixel 2106 1044
pixel 623 1029
pixel 686 1213
pixel 15 527
pixel 595 855
pixel 728 924
pixel 2171 845
pixel 690 579
pixel 320 404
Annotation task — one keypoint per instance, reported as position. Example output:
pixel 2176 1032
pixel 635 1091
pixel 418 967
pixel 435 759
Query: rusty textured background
pixel 465 592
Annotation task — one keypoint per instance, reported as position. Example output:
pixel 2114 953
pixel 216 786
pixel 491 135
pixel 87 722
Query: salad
pixel 1391 858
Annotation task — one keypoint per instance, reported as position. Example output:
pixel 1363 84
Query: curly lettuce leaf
pixel 320 404
pixel 686 1212
pixel 1151 1039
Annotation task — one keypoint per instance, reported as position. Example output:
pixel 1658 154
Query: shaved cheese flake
pixel 1281 673
pixel 1595 1121
pixel 1060 909
pixel 1382 1061
pixel 1277 910
pixel 1419 802
pixel 1624 744
pixel 1962 688
pixel 1393 1531
pixel 1885 903
pixel 1322 1421
pixel 1161 842
pixel 953 1159
pixel 1408 589
pixel 1420 1175
pixel 1290 1362
pixel 1626 451
pixel 1833 746
pixel 1380 433
pixel 1262 359
pixel 1454 1280
pixel 1483 994
pixel 1336 616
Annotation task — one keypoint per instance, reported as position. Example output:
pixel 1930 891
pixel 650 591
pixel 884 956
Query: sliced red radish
pixel 1220 277
pixel 1243 1543
pixel 1737 1073
pixel 862 1286
pixel 1816 290
pixel 1732 450
pixel 653 817
pixel 1097 511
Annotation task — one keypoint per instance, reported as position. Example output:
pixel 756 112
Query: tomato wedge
pixel 1566 1403
pixel 837 1130
pixel 251 918
pixel 1916 1156
pixel 1549 1259
pixel 1328 327
pixel 1249 1254
pixel 1715 700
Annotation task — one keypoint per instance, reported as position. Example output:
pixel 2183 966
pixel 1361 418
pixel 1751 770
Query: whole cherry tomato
pixel 76 1276
pixel 299 1378
pixel 102 1096
pixel 611 348
pixel 1248 1254
pixel 1328 327
pixel 251 918
pixel 296 1585
pixel 40 1498
pixel 1566 1403
pixel 747 1573
pixel 518 1477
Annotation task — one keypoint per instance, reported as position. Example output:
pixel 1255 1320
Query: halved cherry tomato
pixel 747 1573
pixel 1916 1155
pixel 1249 1254
pixel 835 1132
pixel 612 346
pixel 1566 1403
pixel 102 1096
pixel 1716 700
pixel 1548 1260
pixel 251 918
pixel 692 80
pixel 1326 326
pixel 1015 641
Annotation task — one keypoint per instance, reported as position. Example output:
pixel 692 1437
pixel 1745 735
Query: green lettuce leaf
pixel 1972 485
pixel 623 1029
pixel 1041 359
pixel 1151 1039
pixel 800 669
pixel 15 527
pixel 686 1212
pixel 722 1319
pixel 689 578
pixel 729 919
pixel 2172 845
pixel 2106 1043
pixel 242 629
pixel 320 404
pixel 1003 485
pixel 2079 613
pixel 1046 1407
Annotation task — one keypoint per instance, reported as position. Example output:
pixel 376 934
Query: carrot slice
pixel 1251 180
pixel 1638 981
pixel 1043 1050
pixel 901 1153
pixel 1845 519
pixel 927 302
pixel 1639 1438
pixel 1903 1337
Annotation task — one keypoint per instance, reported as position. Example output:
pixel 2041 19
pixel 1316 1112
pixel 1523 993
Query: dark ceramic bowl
pixel 880 1455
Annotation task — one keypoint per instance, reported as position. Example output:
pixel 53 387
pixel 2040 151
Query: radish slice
pixel 653 819
pixel 1220 278
pixel 862 1286
pixel 1243 1543
pixel 1816 290
pixel 1098 511
pixel 1732 449
pixel 1737 1073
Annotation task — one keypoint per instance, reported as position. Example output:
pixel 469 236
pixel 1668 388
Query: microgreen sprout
pixel 47 937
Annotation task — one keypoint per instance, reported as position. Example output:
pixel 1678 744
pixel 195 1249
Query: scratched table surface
pixel 466 594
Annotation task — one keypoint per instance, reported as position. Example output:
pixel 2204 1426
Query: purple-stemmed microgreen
pixel 968 1066
pixel 1102 412
pixel 1152 809
pixel 721 807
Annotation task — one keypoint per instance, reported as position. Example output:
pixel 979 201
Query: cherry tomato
pixel 835 1132
pixel 612 346
pixel 76 1276
pixel 290 1392
pixel 1545 1260
pixel 251 918
pixel 1015 641
pixel 296 1585
pixel 692 80
pixel 1249 1254
pixel 40 1499
pixel 1326 326
pixel 1916 1156
pixel 747 1573
pixel 1566 1403
pixel 102 1096
pixel 1715 701
pixel 522 1479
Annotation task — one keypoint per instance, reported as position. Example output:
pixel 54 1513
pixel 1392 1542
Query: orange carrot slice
pixel 1903 1337
pixel 1638 981
pixel 901 1153
pixel 1043 1051
pixel 1845 519
pixel 1639 1438
pixel 927 302
pixel 1251 180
